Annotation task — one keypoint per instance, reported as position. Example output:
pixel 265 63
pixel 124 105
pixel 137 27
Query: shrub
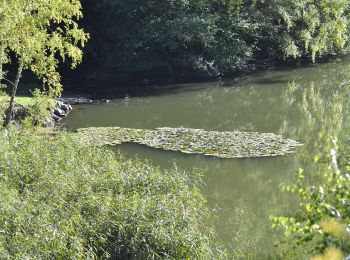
pixel 29 111
pixel 322 224
pixel 61 199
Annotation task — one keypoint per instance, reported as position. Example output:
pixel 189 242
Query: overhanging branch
pixel 8 81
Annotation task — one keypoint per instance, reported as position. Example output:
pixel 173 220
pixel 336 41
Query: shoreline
pixel 24 107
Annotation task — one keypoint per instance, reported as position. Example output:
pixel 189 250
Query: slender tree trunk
pixel 1 76
pixel 1 64
pixel 13 94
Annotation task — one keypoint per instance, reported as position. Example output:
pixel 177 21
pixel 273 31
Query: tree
pixel 39 35
pixel 174 38
pixel 298 28
pixel 163 36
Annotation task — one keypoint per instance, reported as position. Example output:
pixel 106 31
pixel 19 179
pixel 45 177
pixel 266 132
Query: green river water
pixel 298 103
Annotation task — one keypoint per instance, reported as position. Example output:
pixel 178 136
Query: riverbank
pixel 62 198
pixel 48 111
pixel 40 110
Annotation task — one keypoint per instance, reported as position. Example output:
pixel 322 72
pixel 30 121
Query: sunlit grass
pixel 60 198
pixel 24 94
pixel 24 101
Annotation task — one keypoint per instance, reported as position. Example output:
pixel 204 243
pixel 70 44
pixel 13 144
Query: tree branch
pixel 9 81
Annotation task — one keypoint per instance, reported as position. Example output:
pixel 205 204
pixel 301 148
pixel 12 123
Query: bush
pixel 29 111
pixel 321 226
pixel 62 199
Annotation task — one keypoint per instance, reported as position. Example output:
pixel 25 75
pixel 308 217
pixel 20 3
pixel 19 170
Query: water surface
pixel 298 103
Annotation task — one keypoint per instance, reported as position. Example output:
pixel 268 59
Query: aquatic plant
pixel 195 141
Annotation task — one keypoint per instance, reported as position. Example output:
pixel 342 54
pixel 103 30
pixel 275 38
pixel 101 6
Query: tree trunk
pixel 13 94
pixel 1 65
pixel 1 76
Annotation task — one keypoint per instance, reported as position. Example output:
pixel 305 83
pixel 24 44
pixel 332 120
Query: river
pixel 298 103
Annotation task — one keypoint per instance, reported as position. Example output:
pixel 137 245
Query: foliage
pixel 39 34
pixel 31 111
pixel 323 222
pixel 211 37
pixel 63 199
pixel 38 109
pixel 168 37
pixel 305 27
pixel 3 106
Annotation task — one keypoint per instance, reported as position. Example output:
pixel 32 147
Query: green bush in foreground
pixel 321 228
pixel 62 199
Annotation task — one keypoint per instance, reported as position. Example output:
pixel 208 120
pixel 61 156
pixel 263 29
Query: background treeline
pixel 202 38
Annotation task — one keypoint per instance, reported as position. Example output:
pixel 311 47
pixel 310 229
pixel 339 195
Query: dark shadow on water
pixel 110 89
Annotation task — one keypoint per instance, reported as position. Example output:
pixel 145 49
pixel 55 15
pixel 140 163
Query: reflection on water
pixel 298 103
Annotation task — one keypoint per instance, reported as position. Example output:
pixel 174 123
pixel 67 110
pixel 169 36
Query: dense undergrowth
pixel 320 227
pixel 61 199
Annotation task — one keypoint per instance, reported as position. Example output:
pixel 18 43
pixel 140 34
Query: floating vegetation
pixel 195 141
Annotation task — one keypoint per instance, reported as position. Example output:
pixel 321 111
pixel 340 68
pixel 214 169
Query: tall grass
pixel 60 199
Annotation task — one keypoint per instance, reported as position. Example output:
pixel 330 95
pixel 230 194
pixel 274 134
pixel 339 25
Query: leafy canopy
pixel 40 34
pixel 211 36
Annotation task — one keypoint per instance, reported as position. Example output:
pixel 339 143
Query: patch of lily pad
pixel 233 144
